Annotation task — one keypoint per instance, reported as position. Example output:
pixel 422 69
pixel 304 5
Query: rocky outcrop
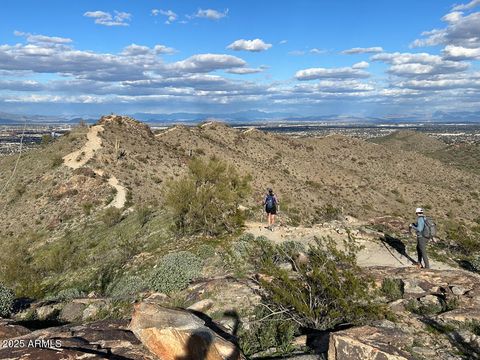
pixel 369 343
pixel 173 334
pixel 99 340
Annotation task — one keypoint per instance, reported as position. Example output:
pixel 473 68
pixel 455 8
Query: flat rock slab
pixel 369 343
pixel 100 340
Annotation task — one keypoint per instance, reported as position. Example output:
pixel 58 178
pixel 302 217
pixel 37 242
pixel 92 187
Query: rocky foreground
pixel 434 318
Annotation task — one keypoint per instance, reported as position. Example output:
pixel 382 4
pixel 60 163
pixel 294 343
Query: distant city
pixel 29 135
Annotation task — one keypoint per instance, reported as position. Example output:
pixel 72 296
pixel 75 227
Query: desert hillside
pixel 145 244
pixel 360 178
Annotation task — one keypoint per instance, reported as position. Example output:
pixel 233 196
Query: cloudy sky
pixel 344 57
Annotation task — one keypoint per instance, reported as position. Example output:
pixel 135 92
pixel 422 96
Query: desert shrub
pixel 205 251
pixel 416 307
pixel 46 139
pixel 57 160
pixel 326 291
pixel 327 212
pixel 266 332
pixel 87 208
pixel 6 301
pixel 69 294
pixel 206 200
pixel 174 272
pixel 143 215
pixel 392 289
pixel 127 286
pixel 466 240
pixel 112 216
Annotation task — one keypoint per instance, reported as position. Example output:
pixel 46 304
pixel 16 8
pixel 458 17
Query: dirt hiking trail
pixel 375 252
pixel 80 158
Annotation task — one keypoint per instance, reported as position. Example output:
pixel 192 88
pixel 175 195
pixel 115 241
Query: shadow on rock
pixel 397 245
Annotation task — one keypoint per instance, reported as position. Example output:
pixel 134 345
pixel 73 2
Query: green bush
pixel 266 332
pixel 466 240
pixel 112 216
pixel 205 251
pixel 69 294
pixel 327 213
pixel 174 272
pixel 6 301
pixel 127 286
pixel 392 289
pixel 206 200
pixel 143 215
pixel 326 291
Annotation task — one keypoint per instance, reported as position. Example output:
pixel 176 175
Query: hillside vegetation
pixel 188 223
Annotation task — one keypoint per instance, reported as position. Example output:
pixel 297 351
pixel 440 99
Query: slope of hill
pixel 360 178
pixel 85 215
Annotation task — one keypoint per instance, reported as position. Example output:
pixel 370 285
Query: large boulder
pixel 369 343
pixel 173 334
pixel 99 340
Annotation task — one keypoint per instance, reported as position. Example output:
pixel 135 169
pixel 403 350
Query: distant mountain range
pixel 251 117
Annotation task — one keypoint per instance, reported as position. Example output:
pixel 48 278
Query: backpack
pixel 430 228
pixel 270 202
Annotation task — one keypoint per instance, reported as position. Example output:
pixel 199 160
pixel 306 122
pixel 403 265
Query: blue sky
pixel 366 58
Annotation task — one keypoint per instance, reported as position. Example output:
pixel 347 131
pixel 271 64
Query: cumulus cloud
pixel 333 86
pixel 202 63
pixel 211 14
pixel 331 73
pixel 245 70
pixel 419 64
pixel 360 50
pixel 361 65
pixel 468 6
pixel 453 52
pixel 119 18
pixel 255 45
pixel 162 49
pixel 31 38
pixel 171 16
pixel 461 30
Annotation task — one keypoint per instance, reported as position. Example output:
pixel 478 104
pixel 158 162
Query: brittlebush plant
pixel 206 200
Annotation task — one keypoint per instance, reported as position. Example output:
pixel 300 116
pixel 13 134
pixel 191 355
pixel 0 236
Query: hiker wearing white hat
pixel 421 240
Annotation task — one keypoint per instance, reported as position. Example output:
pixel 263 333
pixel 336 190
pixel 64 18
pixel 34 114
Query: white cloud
pixel 171 16
pixel 105 18
pixel 360 50
pixel 453 52
pixel 207 62
pixel 210 14
pixel 468 6
pixel 255 45
pixel 331 73
pixel 136 50
pixel 282 42
pixel 460 31
pixel 361 65
pixel 316 51
pixel 31 38
pixel 419 64
pixel 162 49
pixel 245 70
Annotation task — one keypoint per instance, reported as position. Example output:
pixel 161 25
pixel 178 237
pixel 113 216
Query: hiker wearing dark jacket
pixel 421 240
pixel 271 206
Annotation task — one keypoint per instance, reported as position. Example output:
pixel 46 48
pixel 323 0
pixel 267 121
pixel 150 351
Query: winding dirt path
pixel 80 158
